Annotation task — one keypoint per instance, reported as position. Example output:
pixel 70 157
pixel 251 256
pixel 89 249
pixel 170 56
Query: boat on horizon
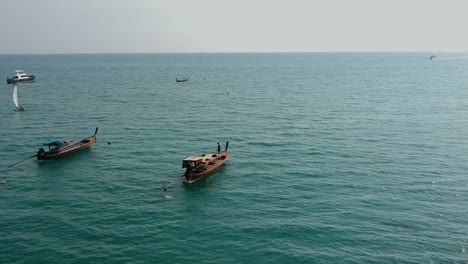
pixel 183 80
pixel 20 76
pixel 18 107
pixel 199 166
pixel 65 148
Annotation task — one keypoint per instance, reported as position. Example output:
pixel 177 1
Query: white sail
pixel 15 96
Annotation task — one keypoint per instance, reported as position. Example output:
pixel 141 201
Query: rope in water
pixel 179 179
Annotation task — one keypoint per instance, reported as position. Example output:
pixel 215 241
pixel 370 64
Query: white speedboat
pixel 20 76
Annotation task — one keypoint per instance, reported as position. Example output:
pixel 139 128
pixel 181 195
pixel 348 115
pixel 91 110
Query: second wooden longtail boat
pixel 65 148
pixel 197 167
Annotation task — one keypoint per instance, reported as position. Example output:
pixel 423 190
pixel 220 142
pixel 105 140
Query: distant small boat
pixel 18 107
pixel 182 80
pixel 20 76
pixel 65 148
pixel 197 167
pixel 432 57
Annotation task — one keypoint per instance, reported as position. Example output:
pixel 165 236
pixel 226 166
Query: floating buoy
pixel 109 142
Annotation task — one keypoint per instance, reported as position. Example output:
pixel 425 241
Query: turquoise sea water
pixel 334 158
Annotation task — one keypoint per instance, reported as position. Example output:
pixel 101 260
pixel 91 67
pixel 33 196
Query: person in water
pixel 219 148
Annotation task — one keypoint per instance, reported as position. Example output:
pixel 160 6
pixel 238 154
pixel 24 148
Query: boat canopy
pixel 193 159
pixel 48 142
pixel 190 162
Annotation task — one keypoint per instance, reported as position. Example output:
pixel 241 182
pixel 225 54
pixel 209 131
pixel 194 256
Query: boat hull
pixel 30 78
pixel 66 150
pixel 208 168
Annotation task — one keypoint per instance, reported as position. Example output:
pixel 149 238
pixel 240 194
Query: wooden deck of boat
pixel 211 162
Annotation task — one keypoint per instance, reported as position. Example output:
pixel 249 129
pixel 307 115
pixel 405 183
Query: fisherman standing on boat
pixel 219 148
pixel 40 153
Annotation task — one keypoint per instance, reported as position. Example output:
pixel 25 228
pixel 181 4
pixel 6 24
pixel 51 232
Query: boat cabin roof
pixel 47 142
pixel 202 158
pixel 193 159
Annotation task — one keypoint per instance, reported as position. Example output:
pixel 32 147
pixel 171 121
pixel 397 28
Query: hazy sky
pixel 113 26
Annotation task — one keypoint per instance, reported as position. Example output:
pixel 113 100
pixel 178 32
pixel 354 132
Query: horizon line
pixel 227 52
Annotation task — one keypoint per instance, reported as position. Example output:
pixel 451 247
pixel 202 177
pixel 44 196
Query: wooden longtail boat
pixel 197 167
pixel 66 148
pixel 182 80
